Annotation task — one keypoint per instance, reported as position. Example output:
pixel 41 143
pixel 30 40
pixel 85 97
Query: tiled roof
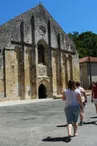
pixel 86 59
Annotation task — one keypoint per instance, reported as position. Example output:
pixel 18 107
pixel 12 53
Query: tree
pixel 86 43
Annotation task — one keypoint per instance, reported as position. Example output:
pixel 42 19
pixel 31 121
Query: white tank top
pixel 71 97
pixel 81 92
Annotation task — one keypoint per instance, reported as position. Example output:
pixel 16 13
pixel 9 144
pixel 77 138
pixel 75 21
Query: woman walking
pixel 84 100
pixel 94 95
pixel 72 99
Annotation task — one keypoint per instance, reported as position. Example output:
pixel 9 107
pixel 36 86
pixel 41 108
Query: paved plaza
pixel 42 123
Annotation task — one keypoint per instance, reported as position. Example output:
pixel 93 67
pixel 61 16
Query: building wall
pixel 84 75
pixel 24 74
pixel 1 76
pixel 93 71
pixel 75 67
pixel 54 71
pixel 11 74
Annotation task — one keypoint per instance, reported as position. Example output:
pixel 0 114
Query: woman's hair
pixel 96 83
pixel 77 84
pixel 71 85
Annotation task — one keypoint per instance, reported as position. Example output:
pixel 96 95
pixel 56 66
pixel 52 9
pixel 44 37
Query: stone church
pixel 37 58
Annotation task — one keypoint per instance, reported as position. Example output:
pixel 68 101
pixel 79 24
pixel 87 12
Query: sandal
pixel 76 134
pixel 69 138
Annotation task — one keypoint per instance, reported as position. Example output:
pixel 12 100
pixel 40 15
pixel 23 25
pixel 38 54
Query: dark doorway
pixel 42 91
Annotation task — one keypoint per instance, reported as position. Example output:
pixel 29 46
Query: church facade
pixel 37 58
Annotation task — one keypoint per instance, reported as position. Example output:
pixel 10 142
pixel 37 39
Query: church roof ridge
pixel 21 17
pixel 58 25
pixel 38 5
pixel 51 16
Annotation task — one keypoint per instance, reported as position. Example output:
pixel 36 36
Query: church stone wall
pixel 11 75
pixel 63 72
pixel 75 64
pixel 24 81
pixel 30 79
pixel 1 77
pixel 54 73
pixel 54 42
pixel 27 74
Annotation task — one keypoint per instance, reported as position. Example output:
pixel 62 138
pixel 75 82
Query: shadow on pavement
pixel 84 123
pixel 92 122
pixel 62 125
pixel 94 117
pixel 56 139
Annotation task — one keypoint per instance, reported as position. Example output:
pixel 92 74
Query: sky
pixel 72 15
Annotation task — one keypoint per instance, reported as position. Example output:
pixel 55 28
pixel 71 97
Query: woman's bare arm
pixel 80 101
pixel 63 96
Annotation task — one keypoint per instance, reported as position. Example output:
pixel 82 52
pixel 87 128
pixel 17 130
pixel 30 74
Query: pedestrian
pixel 94 95
pixel 84 100
pixel 93 83
pixel 72 99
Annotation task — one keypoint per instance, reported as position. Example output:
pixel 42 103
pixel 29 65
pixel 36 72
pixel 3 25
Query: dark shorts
pixel 72 114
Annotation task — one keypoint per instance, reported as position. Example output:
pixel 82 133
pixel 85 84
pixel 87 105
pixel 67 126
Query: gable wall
pixel 11 31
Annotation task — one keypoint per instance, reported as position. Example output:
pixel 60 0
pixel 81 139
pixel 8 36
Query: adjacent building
pixel 88 71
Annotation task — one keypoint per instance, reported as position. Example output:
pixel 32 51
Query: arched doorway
pixel 42 91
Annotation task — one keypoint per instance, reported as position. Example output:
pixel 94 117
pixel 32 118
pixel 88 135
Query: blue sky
pixel 72 15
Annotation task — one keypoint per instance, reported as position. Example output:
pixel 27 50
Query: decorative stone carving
pixel 42 30
pixel 42 70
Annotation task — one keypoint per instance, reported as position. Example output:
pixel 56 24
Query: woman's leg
pixel 96 107
pixel 68 112
pixel 75 126
pixel 69 129
pixel 95 103
pixel 81 118
pixel 82 115
pixel 76 113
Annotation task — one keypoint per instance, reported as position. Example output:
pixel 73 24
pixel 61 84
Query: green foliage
pixel 86 43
